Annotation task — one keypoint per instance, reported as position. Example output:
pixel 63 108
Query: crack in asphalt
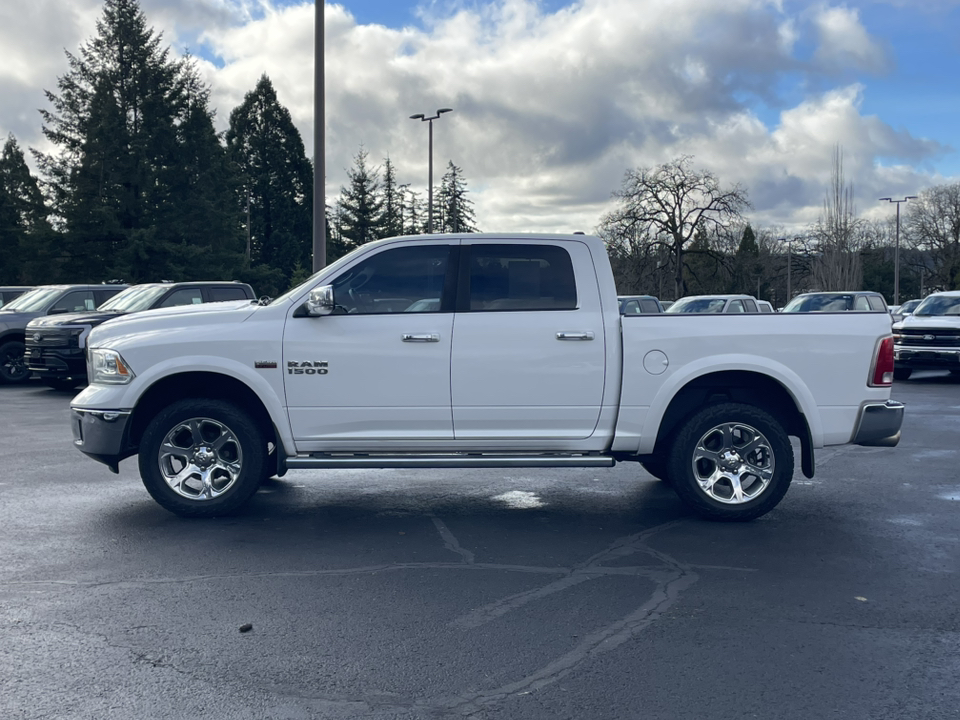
pixel 670 576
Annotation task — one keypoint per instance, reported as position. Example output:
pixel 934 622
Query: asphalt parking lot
pixel 497 594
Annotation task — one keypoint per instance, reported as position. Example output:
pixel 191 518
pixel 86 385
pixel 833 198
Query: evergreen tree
pixel 267 149
pixel 414 212
pixel 454 211
pixel 746 263
pixel 25 232
pixel 361 204
pixel 392 202
pixel 138 180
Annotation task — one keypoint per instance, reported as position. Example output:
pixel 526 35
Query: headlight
pixel 108 368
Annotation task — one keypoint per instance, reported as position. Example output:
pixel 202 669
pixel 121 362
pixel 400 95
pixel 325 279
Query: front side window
pixel 521 277
pixel 403 279
pixel 77 301
pixel 183 296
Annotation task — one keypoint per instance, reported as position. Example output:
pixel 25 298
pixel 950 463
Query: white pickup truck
pixel 453 351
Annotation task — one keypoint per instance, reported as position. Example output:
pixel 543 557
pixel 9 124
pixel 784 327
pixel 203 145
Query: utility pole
pixel 319 149
pixel 896 252
pixel 423 118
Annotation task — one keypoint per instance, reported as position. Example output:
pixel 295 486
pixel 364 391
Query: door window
pixel 404 279
pixel 222 294
pixel 183 296
pixel 735 306
pixel 649 306
pixel 876 303
pixel 76 301
pixel 521 277
pixel 862 304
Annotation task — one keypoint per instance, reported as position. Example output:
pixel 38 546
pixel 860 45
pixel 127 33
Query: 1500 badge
pixel 310 367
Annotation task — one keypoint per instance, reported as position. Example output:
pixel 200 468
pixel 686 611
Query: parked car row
pixel 43 331
pixel 928 338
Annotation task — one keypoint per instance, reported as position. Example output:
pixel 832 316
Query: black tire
pixel 902 373
pixel 13 365
pixel 705 433
pixel 213 435
pixel 657 466
pixel 62 384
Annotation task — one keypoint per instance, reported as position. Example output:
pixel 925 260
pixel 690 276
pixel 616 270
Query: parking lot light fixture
pixel 423 118
pixel 896 251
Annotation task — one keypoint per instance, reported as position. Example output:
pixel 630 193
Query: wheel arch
pixel 203 384
pixel 744 386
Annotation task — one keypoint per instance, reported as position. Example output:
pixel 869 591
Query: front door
pixel 528 349
pixel 379 367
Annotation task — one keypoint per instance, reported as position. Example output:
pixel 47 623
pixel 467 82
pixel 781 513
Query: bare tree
pixel 933 227
pixel 670 203
pixel 839 235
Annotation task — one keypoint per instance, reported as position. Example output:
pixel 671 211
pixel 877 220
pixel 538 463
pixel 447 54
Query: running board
pixel 445 460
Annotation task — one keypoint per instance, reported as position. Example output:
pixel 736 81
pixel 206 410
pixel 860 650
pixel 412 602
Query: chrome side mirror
pixel 320 301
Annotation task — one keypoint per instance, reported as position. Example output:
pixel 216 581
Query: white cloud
pixel 549 109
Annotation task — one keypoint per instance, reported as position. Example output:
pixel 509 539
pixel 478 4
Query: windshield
pixel 310 281
pixel 939 305
pixel 820 303
pixel 909 306
pixel 134 299
pixel 697 305
pixel 35 301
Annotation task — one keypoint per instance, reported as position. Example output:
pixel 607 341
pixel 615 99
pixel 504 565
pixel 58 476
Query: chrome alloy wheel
pixel 733 463
pixel 200 459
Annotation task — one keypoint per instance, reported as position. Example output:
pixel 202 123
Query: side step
pixel 445 460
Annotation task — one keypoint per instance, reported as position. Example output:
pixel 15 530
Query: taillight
pixel 883 364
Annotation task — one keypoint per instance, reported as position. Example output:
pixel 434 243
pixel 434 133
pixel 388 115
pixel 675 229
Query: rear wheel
pixel 13 365
pixel 202 458
pixel 902 373
pixel 731 462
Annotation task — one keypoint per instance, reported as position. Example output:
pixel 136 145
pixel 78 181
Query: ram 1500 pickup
pixel 451 351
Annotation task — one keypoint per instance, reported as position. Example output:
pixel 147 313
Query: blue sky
pixel 553 101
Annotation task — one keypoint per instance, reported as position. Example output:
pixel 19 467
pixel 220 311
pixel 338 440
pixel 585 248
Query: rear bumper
pixel 879 424
pixel 102 435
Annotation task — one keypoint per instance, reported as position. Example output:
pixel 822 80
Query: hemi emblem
pixel 265 365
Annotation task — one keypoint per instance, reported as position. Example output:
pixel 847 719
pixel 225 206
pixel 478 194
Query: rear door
pixel 528 357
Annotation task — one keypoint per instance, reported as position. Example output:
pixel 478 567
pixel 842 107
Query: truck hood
pixel 15 320
pixel 88 318
pixel 118 329
pixel 919 322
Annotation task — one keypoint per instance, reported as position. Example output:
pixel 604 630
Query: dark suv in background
pixel 41 301
pixel 12 292
pixel 55 346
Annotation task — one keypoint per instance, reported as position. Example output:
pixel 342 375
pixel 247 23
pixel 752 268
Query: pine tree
pixel 361 204
pixel 138 180
pixel 456 213
pixel 278 180
pixel 414 212
pixel 392 202
pixel 25 232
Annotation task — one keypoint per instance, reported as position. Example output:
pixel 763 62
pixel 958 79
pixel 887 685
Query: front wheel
pixel 202 458
pixel 13 365
pixel 731 462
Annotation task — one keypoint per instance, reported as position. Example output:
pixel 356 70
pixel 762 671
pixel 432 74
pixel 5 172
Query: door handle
pixel 425 337
pixel 575 335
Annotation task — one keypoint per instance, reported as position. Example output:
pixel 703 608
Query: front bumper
pixel 879 424
pixel 102 435
pixel 912 356
pixel 56 363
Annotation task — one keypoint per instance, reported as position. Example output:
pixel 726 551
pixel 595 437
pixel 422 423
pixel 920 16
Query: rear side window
pixel 649 306
pixel 222 294
pixel 631 307
pixel 862 304
pixel 183 296
pixel 521 277
pixel 750 305
pixel 876 303
pixel 735 306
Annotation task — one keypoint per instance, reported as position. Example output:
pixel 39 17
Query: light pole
pixel 319 149
pixel 896 252
pixel 789 242
pixel 424 118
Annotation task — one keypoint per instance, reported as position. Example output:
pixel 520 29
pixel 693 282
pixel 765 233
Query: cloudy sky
pixel 554 100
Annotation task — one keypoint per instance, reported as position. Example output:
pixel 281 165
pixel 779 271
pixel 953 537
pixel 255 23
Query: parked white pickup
pixel 479 351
